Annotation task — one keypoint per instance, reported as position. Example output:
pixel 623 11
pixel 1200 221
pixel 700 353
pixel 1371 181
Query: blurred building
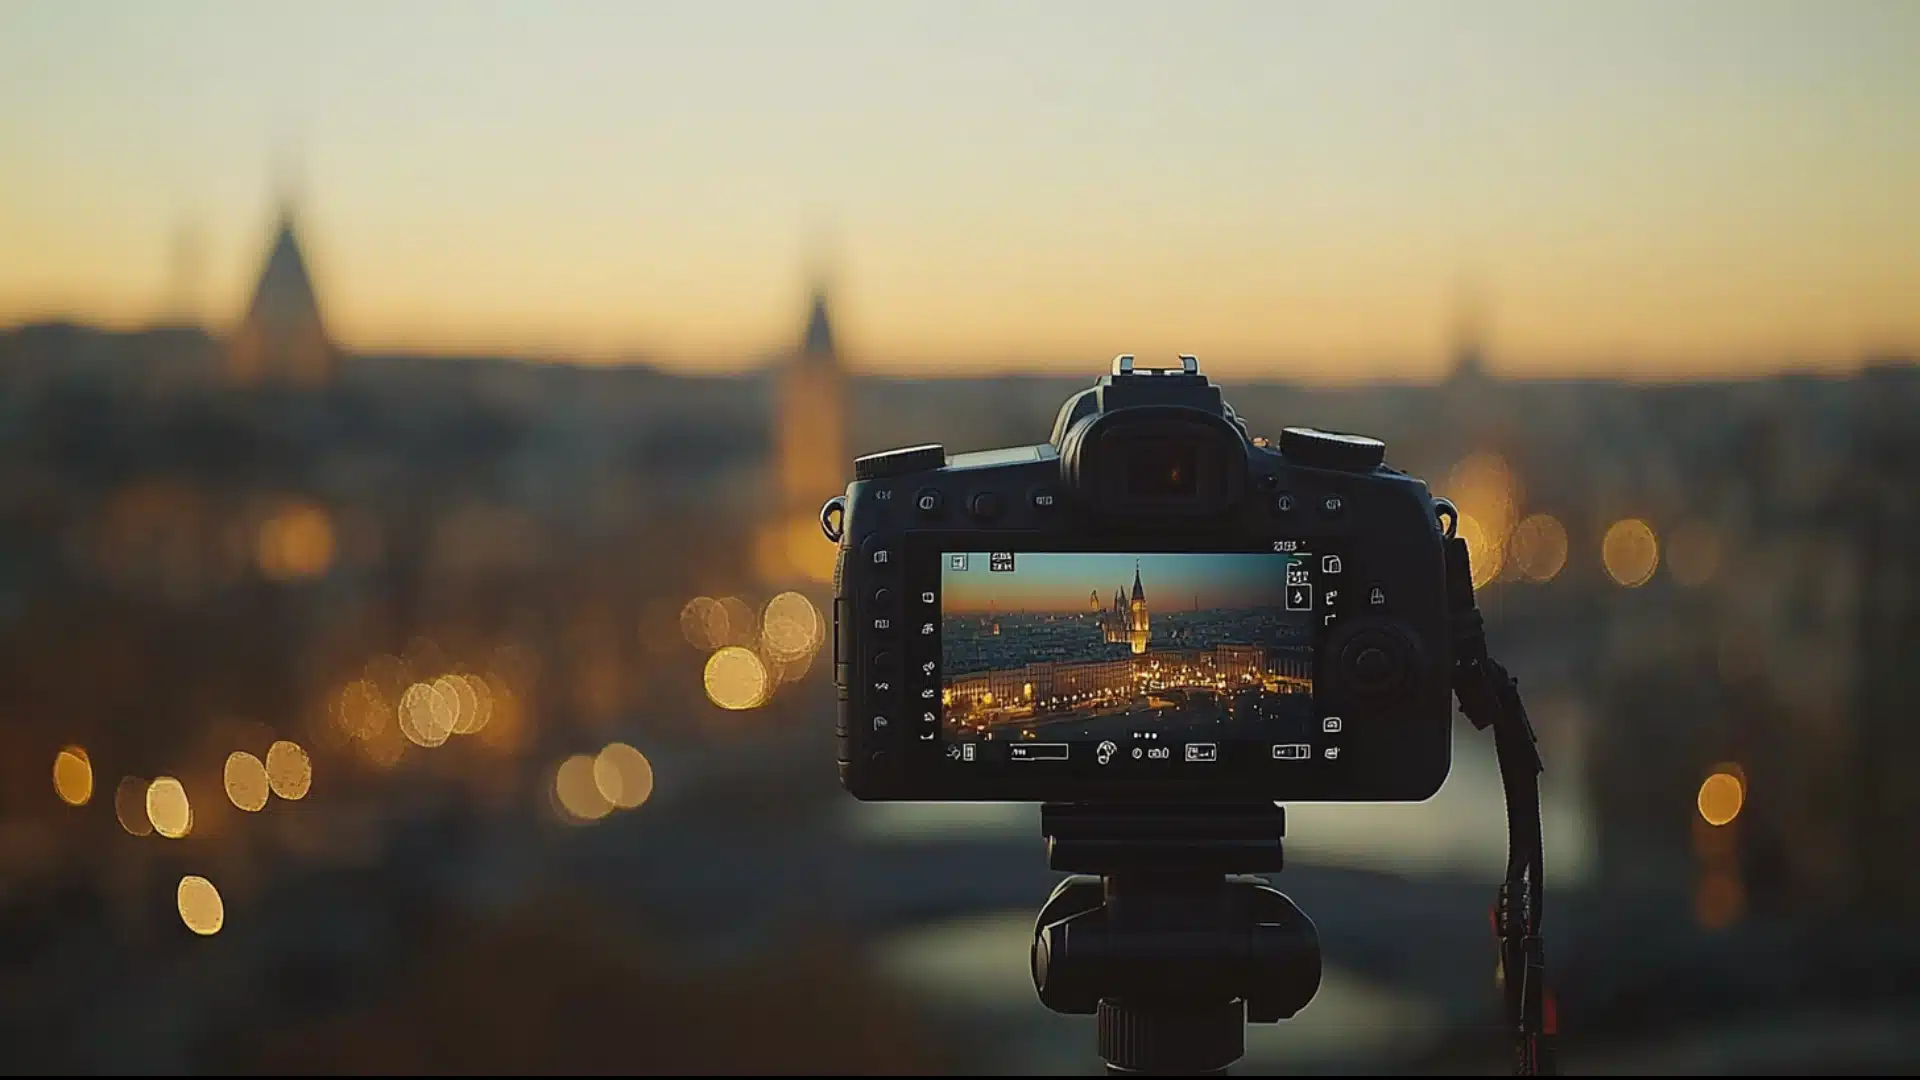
pixel 282 338
pixel 810 453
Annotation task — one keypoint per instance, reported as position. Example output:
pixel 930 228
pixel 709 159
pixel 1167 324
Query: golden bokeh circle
pixel 200 905
pixel 1539 547
pixel 426 715
pixel 246 781
pixel 73 776
pixel 623 775
pixel 790 628
pixel 1721 797
pixel 577 793
pixel 168 808
pixel 289 770
pixel 1630 552
pixel 736 678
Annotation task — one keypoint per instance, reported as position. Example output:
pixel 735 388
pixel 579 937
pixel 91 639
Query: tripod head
pixel 1163 936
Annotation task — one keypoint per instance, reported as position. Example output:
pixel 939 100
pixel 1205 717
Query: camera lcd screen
pixel 1109 659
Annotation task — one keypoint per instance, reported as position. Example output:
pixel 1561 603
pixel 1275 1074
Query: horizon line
pixel 1640 366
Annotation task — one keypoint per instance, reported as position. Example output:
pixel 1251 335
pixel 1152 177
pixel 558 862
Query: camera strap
pixel 1490 698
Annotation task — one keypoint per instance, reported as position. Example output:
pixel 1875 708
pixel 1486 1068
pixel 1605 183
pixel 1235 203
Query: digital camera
pixel 1151 607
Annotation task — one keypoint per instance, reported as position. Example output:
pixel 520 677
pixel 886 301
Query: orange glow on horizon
pixel 1643 198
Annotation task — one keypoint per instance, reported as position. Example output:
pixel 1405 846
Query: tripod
pixel 1162 936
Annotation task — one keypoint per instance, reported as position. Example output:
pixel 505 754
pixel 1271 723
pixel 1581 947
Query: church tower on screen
pixel 1137 622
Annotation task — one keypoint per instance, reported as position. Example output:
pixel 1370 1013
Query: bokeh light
pixel 1693 553
pixel 289 770
pixel 1539 547
pixel 361 710
pixel 73 776
pixel 246 781
pixel 1630 552
pixel 426 715
pixel 703 622
pixel 1721 797
pixel 623 775
pixel 1485 554
pixel 576 791
pixel 793 670
pixel 130 806
pixel 736 679
pixel 743 624
pixel 296 542
pixel 168 808
pixel 507 724
pixel 791 628
pixel 1484 487
pixel 200 905
pixel 464 691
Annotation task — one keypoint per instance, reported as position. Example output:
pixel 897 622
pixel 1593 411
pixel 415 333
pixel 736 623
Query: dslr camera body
pixel 1152 607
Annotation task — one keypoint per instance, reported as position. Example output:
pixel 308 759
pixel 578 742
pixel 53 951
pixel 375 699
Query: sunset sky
pixel 1310 189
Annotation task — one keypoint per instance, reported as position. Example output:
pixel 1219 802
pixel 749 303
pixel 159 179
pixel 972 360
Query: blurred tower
pixel 810 451
pixel 282 338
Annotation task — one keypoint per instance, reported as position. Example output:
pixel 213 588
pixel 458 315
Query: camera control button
pixel 1331 450
pixel 911 459
pixel 883 597
pixel 1375 662
pixel 875 552
pixel 883 662
pixel 986 506
pixel 1332 506
pixel 1285 504
pixel 1044 500
pixel 929 502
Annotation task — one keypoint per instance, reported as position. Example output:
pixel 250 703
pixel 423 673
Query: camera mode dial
pixel 911 459
pixel 1331 450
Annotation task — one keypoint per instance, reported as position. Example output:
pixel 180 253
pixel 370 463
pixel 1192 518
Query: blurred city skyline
pixel 1310 191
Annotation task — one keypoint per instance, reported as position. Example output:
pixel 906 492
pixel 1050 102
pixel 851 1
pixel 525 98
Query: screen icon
pixel 1332 752
pixel 1055 751
pixel 1202 751
pixel 966 751
pixel 926 597
pixel 1299 598
pixel 957 561
pixel 1330 724
pixel 1376 596
pixel 1000 562
pixel 1292 751
pixel 1297 574
pixel 1104 753
pixel 1329 564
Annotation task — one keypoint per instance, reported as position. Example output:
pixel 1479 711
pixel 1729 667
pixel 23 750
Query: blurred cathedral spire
pixel 1469 334
pixel 810 440
pixel 282 337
